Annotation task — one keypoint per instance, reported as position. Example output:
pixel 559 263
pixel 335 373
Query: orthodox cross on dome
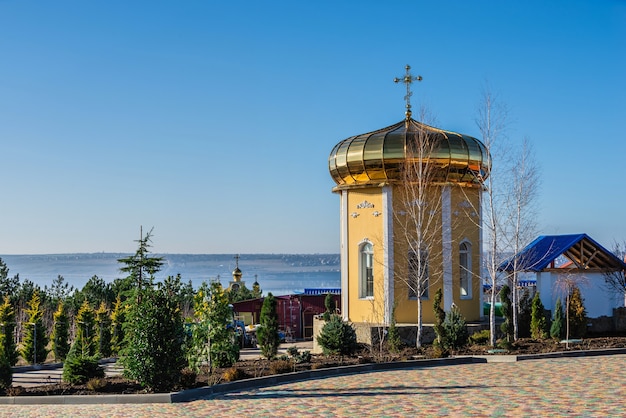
pixel 408 79
pixel 236 261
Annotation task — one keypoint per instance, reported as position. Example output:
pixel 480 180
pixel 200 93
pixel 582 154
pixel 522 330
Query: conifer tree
pixel 60 333
pixel 538 324
pixel 507 310
pixel 141 267
pixel 6 372
pixel 267 333
pixel 118 318
pixel 557 329
pixel 577 314
pixel 34 349
pixel 337 337
pixel 524 315
pixel 329 303
pixel 455 329
pixel 440 316
pixel 103 331
pixel 394 342
pixel 85 331
pixel 7 330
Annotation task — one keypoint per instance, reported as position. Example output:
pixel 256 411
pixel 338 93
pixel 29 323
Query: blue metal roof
pixel 322 291
pixel 584 252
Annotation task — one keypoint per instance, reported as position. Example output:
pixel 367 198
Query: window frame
pixel 366 270
pixel 465 270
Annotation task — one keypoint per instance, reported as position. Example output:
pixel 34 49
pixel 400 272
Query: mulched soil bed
pixel 263 367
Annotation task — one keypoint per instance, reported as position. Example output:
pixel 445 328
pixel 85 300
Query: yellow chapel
pixel 382 218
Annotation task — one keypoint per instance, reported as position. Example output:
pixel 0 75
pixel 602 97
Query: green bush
pixel 188 378
pixel 455 329
pixel 394 342
pixel 6 373
pixel 524 315
pixel 440 316
pixel 557 329
pixel 577 315
pixel 480 337
pixel 337 337
pixel 154 350
pixel 538 324
pixel 78 369
pixel 507 312
pixel 267 332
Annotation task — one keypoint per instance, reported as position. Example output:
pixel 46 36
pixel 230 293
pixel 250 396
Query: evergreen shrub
pixel 267 333
pixel 577 314
pixel 557 329
pixel 6 372
pixel 455 329
pixel 481 337
pixel 337 337
pixel 538 324
pixel 507 311
pixel 78 369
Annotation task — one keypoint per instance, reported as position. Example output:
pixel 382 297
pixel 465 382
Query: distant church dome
pixel 377 157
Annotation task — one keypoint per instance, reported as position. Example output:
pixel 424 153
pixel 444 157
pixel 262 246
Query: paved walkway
pixel 581 386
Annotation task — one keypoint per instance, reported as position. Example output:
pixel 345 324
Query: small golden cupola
pixel 236 283
pixel 377 157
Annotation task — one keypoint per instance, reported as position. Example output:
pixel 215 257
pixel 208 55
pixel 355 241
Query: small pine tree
pixel 329 303
pixel 394 343
pixel 78 368
pixel 337 337
pixel 577 314
pixel 60 333
pixel 6 372
pixel 34 349
pixel 267 333
pixel 507 311
pixel 440 316
pixel 7 330
pixel 86 330
pixel 538 324
pixel 455 329
pixel 524 315
pixel 118 318
pixel 103 331
pixel 557 329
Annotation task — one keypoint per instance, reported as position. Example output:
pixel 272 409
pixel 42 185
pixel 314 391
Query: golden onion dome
pixel 377 157
pixel 237 274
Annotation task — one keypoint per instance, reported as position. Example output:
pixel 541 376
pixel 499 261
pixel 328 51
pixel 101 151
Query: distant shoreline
pixel 276 273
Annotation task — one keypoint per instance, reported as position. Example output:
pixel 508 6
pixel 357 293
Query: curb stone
pixel 259 382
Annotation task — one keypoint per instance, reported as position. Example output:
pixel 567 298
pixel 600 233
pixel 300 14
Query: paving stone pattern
pixel 581 386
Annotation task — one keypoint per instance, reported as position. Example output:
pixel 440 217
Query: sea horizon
pixel 278 273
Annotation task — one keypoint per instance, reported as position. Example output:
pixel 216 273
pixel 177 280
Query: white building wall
pixel 598 300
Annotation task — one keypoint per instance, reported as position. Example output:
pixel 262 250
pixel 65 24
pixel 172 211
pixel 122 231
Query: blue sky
pixel 212 121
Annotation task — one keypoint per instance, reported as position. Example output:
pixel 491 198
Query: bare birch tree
pixel 615 280
pixel 521 207
pixel 418 215
pixel 491 121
